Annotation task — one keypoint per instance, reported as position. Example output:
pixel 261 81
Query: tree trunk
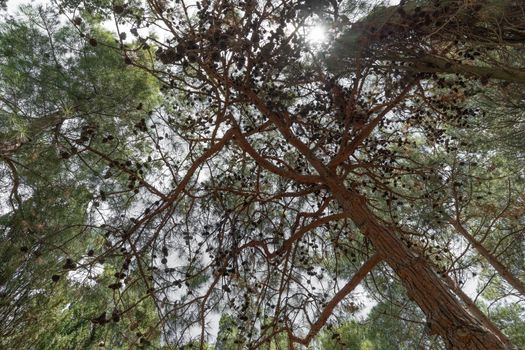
pixel 446 316
pixel 469 303
pixel 436 64
pixel 496 264
pixel 36 127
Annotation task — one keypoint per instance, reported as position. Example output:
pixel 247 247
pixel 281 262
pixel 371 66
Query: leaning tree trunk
pixel 491 258
pixel 445 314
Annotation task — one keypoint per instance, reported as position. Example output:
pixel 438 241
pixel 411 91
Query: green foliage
pixel 510 319
pixel 53 84
pixel 228 336
pixel 94 83
pixel 350 335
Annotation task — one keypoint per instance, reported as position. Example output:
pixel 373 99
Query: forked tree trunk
pixel 445 314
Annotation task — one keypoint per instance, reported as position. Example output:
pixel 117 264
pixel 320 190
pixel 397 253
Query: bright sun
pixel 317 34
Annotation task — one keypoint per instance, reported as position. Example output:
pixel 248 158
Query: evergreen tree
pixel 58 93
pixel 279 174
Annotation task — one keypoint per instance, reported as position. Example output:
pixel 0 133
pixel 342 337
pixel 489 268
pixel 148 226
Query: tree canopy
pixel 208 176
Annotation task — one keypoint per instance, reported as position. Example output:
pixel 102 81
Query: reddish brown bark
pixel 476 311
pixel 436 64
pixel 446 316
pixel 339 296
pixel 496 264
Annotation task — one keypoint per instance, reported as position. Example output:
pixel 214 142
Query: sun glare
pixel 317 34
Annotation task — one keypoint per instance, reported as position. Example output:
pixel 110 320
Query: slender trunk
pixel 436 64
pixel 9 147
pixel 35 128
pixel 496 264
pixel 315 328
pixel 445 314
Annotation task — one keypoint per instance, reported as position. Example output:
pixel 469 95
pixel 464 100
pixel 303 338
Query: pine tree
pixel 278 173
